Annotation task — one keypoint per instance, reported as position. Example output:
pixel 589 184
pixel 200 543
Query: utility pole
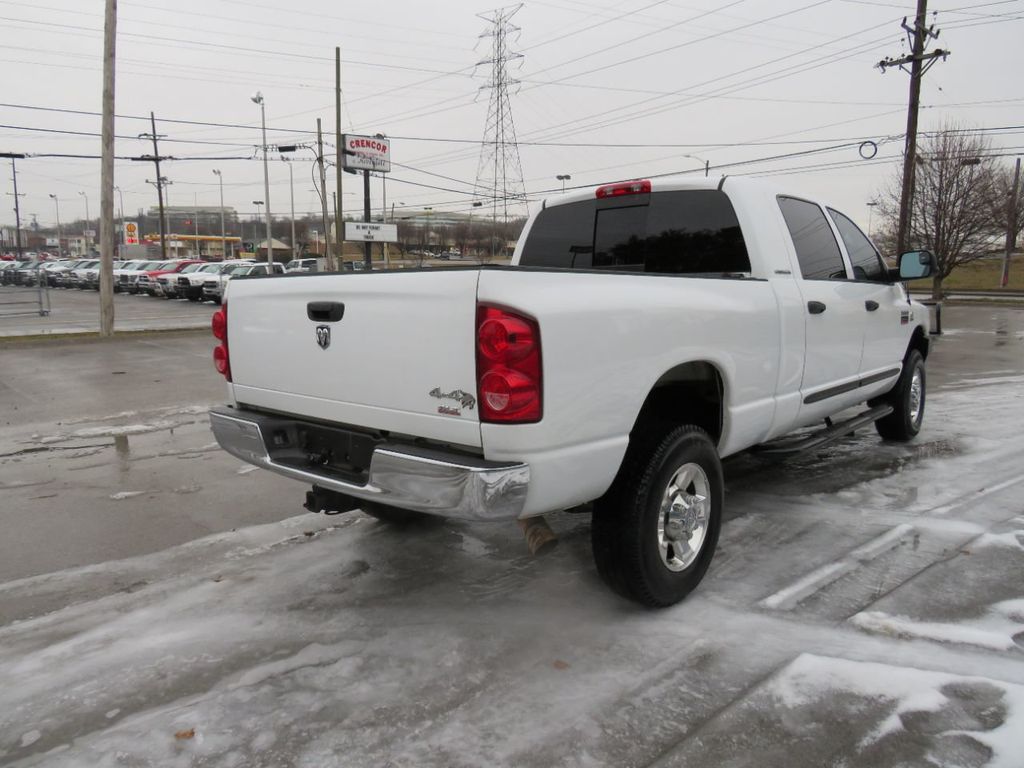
pixel 159 183
pixel 107 174
pixel 339 221
pixel 918 35
pixel 12 156
pixel 1011 227
pixel 331 264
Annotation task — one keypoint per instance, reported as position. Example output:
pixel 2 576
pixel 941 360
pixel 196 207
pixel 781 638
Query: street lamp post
pixel 707 163
pixel 563 177
pixel 257 98
pixel 223 237
pixel 60 236
pixel 871 210
pixel 87 224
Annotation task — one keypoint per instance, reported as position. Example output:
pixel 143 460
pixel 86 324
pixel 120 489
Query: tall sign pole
pixel 107 174
pixel 367 246
pixel 918 35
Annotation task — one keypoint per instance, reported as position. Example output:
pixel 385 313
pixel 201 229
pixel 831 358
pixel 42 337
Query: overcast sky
pixel 730 83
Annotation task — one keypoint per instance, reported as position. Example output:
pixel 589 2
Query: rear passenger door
pixel 834 317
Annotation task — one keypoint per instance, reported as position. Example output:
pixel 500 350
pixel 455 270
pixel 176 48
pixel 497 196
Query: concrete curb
pixel 29 338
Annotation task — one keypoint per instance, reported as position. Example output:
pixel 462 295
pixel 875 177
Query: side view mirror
pixel 913 265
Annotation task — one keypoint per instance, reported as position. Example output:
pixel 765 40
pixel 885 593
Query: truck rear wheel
pixel 907 399
pixel 654 533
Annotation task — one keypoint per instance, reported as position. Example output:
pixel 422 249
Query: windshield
pixel 240 270
pixel 210 268
pixel 193 268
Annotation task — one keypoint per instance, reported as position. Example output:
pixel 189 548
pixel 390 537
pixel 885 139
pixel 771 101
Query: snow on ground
pixel 829 631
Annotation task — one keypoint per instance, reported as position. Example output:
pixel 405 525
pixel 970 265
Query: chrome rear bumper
pixel 423 480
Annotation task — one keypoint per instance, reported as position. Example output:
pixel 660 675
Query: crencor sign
pixel 366 153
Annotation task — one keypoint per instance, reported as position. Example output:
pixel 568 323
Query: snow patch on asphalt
pixel 995 630
pixel 812 680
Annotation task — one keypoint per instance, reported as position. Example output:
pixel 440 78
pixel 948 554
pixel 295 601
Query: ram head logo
pixel 323 336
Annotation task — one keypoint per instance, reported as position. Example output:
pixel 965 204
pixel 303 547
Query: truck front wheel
pixel 654 533
pixel 907 400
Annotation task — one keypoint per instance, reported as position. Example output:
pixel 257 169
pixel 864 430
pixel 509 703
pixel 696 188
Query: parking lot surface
pixel 73 311
pixel 163 604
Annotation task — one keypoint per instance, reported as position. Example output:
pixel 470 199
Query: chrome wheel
pixel 915 396
pixel 683 517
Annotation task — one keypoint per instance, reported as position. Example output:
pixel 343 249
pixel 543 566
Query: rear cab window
pixel 686 233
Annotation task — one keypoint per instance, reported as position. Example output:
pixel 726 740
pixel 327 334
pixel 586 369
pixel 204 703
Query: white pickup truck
pixel 644 331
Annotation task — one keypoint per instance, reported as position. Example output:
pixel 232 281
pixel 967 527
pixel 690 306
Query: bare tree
pixel 999 202
pixel 951 213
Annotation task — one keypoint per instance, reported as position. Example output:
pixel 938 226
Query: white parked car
pixel 190 284
pixel 644 331
pixel 213 286
pixel 127 278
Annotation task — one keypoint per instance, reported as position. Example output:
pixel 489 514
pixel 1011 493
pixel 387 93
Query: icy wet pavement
pixel 865 608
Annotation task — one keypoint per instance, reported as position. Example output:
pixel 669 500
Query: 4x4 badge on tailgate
pixel 323 336
pixel 465 399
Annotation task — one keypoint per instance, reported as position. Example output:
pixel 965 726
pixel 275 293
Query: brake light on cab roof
pixel 638 187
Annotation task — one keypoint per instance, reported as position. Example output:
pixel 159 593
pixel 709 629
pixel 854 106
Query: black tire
pixel 625 533
pixel 396 516
pixel 193 298
pixel 907 399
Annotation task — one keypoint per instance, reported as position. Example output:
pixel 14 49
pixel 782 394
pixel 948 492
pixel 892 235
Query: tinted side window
pixel 866 263
pixel 687 232
pixel 694 233
pixel 562 236
pixel 816 246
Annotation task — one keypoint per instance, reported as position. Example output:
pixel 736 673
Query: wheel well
pixel 691 393
pixel 919 341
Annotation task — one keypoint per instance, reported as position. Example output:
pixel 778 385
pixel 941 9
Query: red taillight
pixel 626 188
pixel 508 366
pixel 219 326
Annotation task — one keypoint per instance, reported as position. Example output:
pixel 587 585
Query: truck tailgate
pixel 396 359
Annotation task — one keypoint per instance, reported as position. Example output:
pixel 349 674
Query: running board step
pixel 824 437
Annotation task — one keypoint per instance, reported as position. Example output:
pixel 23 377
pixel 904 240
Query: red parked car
pixel 148 281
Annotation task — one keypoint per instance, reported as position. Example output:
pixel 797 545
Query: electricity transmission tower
pixel 499 176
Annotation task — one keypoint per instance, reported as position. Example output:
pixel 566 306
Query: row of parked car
pixel 178 278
